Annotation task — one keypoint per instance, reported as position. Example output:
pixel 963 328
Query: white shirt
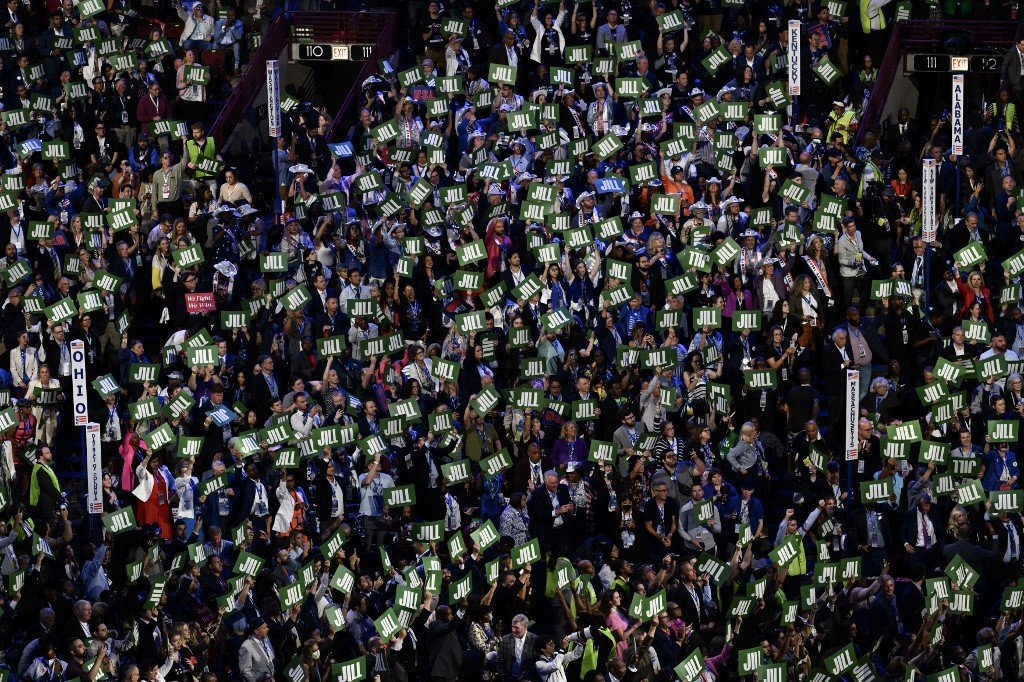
pixel 519 643
pixel 769 295
pixel 1011 532
pixel 922 520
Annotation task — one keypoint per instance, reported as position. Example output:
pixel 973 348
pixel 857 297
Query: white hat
pixel 699 206
pixel 663 91
pixel 839 103
pixel 523 177
pixel 714 181
pixel 581 197
pixel 225 268
pixel 245 210
pixel 696 91
pixel 636 214
pixel 521 140
pixel 730 201
pixel 475 133
pixel 570 467
pixel 505 108
pixel 750 233
pixel 299 168
pixel 537 94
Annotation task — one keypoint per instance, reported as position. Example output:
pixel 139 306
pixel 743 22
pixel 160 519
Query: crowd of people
pixel 589 355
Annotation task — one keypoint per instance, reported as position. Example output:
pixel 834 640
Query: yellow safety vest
pixel 590 651
pixel 845 121
pixel 865 20
pixel 197 154
pixel 798 564
pixel 875 177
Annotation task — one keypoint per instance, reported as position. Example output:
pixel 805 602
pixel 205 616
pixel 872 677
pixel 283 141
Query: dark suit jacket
pixel 909 528
pixel 867 328
pixel 541 519
pixel 910 602
pixel 1000 528
pixel 445 650
pixel 521 472
pixel 757 288
pixel 693 614
pixel 499 55
pixel 245 495
pixel 886 409
pixel 261 398
pixel 972 554
pixel 507 655
pixel 859 530
pixel 46 266
pixel 834 369
pixel 883 617
pixel 1011 68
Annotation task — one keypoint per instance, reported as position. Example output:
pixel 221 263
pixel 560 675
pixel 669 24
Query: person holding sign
pixel 46 395
pixel 202 149
pixel 153 494
pixel 974 290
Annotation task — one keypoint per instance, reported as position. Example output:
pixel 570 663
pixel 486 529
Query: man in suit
pixel 659 517
pixel 443 645
pixel 871 534
pixel 57 354
pixel 123 265
pixel 1012 71
pixel 256 657
pixel 1010 533
pixel 264 388
pixel 881 401
pixel 320 293
pixel 528 473
pixel 864 346
pixel 973 555
pixel 693 601
pixel 610 32
pixel 103 149
pixel 910 598
pixel 551 511
pixel 922 534
pixel 311 150
pixel 215 437
pixel 625 437
pixel 884 614
pixel 869 453
pixel 48 262
pixel 699 536
pixel 509 52
pixel 516 651
pixel 835 360
pixel 896 133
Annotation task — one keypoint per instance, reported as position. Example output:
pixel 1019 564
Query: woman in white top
pixel 191 95
pixel 420 368
pixel 185 486
pixel 456 59
pixel 287 504
pixel 233 191
pixel 24 363
pixel 45 411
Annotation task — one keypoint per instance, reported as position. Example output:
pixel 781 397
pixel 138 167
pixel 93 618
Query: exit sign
pixel 328 52
pixel 944 63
